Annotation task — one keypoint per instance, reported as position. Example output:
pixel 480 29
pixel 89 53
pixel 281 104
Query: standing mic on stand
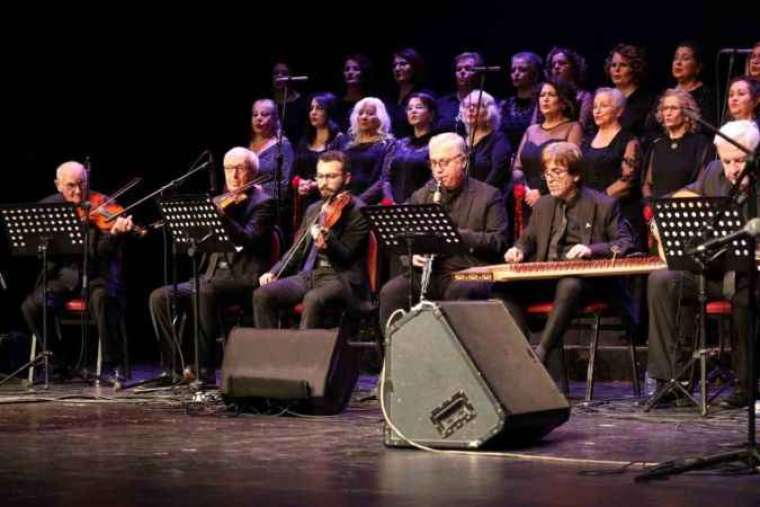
pixel 211 173
pixel 487 68
pixel 291 79
pixel 737 51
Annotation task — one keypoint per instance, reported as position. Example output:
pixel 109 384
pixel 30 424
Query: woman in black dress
pixel 686 69
pixel 743 99
pixel 357 78
pixel 626 67
pixel 566 64
pixel 678 156
pixel 612 158
pixel 408 166
pixel 490 151
pixel 519 111
pixel 408 73
pixel 370 142
pixel 448 119
pixel 321 134
pixel 560 110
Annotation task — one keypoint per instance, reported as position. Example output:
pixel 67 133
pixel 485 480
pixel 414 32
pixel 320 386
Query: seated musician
pixel 478 211
pixel 64 275
pixel 571 222
pixel 672 295
pixel 328 256
pixel 228 277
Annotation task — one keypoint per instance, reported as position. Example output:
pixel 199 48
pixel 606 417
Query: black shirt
pixel 674 163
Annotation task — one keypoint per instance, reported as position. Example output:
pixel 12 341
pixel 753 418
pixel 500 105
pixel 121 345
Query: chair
pixel 594 312
pixel 73 310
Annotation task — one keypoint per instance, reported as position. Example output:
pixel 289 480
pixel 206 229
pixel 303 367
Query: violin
pixel 101 213
pixel 333 210
pixel 239 195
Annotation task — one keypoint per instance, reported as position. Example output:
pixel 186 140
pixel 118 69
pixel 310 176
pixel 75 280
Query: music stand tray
pixel 195 226
pixel 40 229
pixel 414 229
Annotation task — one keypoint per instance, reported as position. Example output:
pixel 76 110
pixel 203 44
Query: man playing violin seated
pixel 64 273
pixel 228 278
pixel 571 222
pixel 672 295
pixel 328 256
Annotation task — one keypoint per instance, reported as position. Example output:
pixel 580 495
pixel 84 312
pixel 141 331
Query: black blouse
pixel 676 163
pixel 490 160
pixel 408 168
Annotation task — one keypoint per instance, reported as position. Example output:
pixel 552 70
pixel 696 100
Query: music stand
pixel 422 229
pixel 682 223
pixel 195 226
pixel 39 229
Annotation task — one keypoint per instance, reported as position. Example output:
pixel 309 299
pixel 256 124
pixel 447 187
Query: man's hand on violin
pixel 122 225
pixel 318 234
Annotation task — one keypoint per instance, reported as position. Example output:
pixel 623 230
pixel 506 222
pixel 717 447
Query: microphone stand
pixel 750 455
pixel 279 157
pixel 175 183
pixel 85 291
pixel 471 147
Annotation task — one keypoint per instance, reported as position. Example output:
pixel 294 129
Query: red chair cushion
pixel 75 305
pixel 718 308
pixel 546 308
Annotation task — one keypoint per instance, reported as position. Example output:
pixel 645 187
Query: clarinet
pixel 427 269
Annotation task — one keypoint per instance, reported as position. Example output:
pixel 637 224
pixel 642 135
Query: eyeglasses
pixel 443 163
pixel 330 176
pixel 555 175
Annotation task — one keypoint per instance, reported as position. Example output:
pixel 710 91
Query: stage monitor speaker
pixel 462 375
pixel 312 371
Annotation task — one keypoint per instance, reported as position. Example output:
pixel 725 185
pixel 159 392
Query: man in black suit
pixel 571 222
pixel 64 274
pixel 329 262
pixel 248 218
pixel 670 293
pixel 478 211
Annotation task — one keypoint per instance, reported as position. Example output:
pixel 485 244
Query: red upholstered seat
pixel 76 305
pixel 718 308
pixel 546 308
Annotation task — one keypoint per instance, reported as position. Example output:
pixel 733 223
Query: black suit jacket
pixel 346 246
pixel 602 226
pixel 250 229
pixel 479 212
pixel 104 260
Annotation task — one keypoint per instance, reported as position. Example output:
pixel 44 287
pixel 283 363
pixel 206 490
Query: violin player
pixel 64 274
pixel 328 256
pixel 228 278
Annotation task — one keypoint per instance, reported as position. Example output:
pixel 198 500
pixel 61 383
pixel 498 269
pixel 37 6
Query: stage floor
pixel 79 445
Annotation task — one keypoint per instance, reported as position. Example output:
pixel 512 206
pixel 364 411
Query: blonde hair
pixel 384 130
pixel 685 100
pixel 487 103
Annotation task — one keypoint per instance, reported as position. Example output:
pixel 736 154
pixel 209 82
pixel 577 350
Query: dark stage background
pixel 144 91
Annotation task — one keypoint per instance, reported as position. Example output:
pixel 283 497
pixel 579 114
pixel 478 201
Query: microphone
pixel 487 68
pixel 751 229
pixel 211 173
pixel 736 51
pixel 291 79
pixel 437 192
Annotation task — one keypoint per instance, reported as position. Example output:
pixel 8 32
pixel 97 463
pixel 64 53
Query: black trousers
pixel 213 294
pixel 317 289
pixel 673 311
pixel 395 293
pixel 105 310
pixel 568 294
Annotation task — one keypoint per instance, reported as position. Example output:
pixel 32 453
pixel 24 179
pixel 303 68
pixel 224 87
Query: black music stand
pixel 422 229
pixel 683 223
pixel 41 229
pixel 195 226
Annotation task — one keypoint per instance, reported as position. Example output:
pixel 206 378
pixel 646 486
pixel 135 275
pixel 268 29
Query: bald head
pixel 240 166
pixel 70 180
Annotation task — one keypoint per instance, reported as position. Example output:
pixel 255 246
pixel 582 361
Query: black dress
pixel 448 119
pixel 408 168
pixel 296 113
pixel 603 166
pixel 490 160
pixel 676 163
pixel 305 163
pixel 530 156
pixel 516 116
pixel 366 165
pixel 397 113
pixel 637 117
pixel 704 96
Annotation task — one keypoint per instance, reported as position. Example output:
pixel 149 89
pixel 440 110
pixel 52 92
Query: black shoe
pixel 739 399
